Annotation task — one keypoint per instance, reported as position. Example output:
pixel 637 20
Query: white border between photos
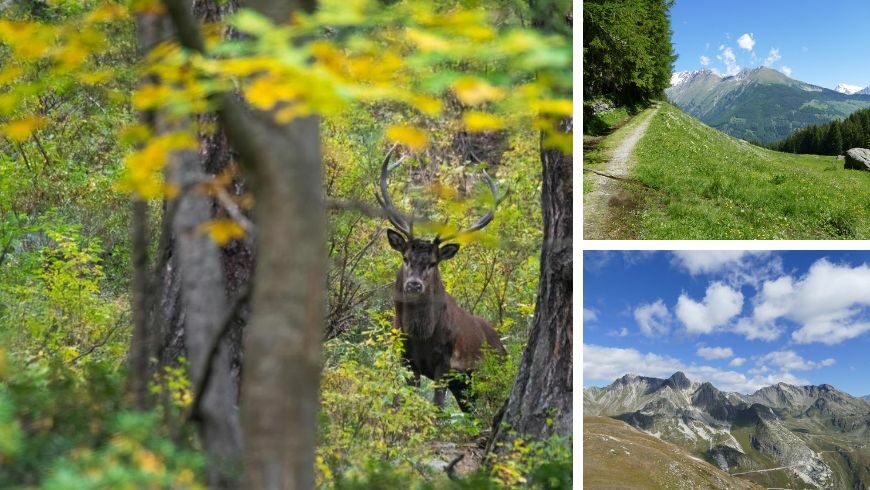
pixel 580 245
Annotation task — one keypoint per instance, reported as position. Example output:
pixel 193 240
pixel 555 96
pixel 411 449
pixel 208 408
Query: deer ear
pixel 447 251
pixel 397 241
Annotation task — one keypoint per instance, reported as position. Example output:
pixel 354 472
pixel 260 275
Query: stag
pixel 440 336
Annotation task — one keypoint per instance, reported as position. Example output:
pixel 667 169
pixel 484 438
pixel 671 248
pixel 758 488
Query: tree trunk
pixel 540 403
pixel 188 302
pixel 203 300
pixel 280 379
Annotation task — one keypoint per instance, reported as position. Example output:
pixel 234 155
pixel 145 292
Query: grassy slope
pixel 707 185
pixel 650 462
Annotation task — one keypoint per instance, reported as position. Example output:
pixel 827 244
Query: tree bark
pixel 280 379
pixel 540 403
pixel 281 376
pixel 203 299
pixel 190 293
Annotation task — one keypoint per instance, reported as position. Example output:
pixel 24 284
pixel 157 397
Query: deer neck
pixel 421 316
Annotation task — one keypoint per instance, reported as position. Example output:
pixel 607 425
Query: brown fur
pixel 441 336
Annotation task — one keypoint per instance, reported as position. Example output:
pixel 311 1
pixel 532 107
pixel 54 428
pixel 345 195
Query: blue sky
pixel 820 42
pixel 741 320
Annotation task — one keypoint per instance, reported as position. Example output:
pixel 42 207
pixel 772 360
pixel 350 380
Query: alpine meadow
pixel 316 244
pixel 700 123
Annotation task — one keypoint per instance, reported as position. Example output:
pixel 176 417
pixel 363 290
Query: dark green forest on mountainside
pixel 627 52
pixel 834 138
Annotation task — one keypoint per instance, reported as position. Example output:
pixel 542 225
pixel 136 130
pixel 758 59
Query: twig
pixel 233 209
pixel 338 204
pixel 614 177
pixel 451 467
pixel 99 344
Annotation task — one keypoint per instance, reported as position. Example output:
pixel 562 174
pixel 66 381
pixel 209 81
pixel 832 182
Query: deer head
pixel 420 257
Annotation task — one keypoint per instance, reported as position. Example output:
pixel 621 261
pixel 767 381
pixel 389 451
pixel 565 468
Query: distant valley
pixel 760 104
pixel 780 436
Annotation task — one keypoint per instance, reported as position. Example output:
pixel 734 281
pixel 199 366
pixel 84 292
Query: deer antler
pixel 395 217
pixel 483 220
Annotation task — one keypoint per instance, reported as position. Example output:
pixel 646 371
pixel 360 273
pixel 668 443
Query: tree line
pixel 834 138
pixel 627 51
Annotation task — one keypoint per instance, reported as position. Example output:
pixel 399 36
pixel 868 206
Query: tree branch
pixel 231 316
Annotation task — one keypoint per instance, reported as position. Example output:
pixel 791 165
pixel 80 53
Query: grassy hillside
pixel 616 455
pixel 704 184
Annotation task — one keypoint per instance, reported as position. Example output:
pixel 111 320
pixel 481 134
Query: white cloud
pixel 830 305
pixel 746 41
pixel 609 363
pixel 715 352
pixel 786 70
pixel 705 60
pixel 772 57
pixel 730 60
pixel 712 261
pixel 721 303
pixel 734 267
pixel 790 360
pixel 653 318
pixel 589 315
pixel 623 332
pixel 737 361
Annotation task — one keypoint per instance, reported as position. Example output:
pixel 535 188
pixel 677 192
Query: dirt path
pixel 767 469
pixel 607 191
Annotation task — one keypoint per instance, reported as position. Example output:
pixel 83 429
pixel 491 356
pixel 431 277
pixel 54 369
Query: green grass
pixel 597 157
pixel 707 185
pixel 601 123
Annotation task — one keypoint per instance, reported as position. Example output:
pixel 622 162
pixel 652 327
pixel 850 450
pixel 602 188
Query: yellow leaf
pixel 21 129
pixel 474 91
pixel 9 74
pixel 107 13
pixel 563 142
pixel 481 121
pixel 222 230
pixel 95 77
pixel 413 138
pixel 148 461
pixel 264 92
pixel 559 107
pixel 150 96
pixel 427 42
pixel 425 104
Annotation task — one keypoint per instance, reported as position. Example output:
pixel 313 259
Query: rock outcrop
pixel 858 159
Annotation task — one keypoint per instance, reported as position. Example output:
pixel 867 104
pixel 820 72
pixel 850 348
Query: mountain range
pixel 847 89
pixel 780 436
pixel 760 104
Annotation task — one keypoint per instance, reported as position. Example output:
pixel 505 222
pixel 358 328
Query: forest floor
pixel 606 170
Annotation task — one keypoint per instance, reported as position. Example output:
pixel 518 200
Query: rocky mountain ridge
pixel 812 432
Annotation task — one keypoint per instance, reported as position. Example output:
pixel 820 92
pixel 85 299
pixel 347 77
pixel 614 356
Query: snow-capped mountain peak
pixel 865 91
pixel 847 89
pixel 681 77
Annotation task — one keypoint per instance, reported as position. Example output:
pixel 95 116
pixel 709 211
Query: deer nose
pixel 413 286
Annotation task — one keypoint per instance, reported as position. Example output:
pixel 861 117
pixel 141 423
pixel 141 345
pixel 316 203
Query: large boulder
pixel 858 159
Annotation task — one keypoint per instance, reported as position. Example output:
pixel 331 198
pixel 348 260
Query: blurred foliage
pixel 65 426
pixel 462 86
